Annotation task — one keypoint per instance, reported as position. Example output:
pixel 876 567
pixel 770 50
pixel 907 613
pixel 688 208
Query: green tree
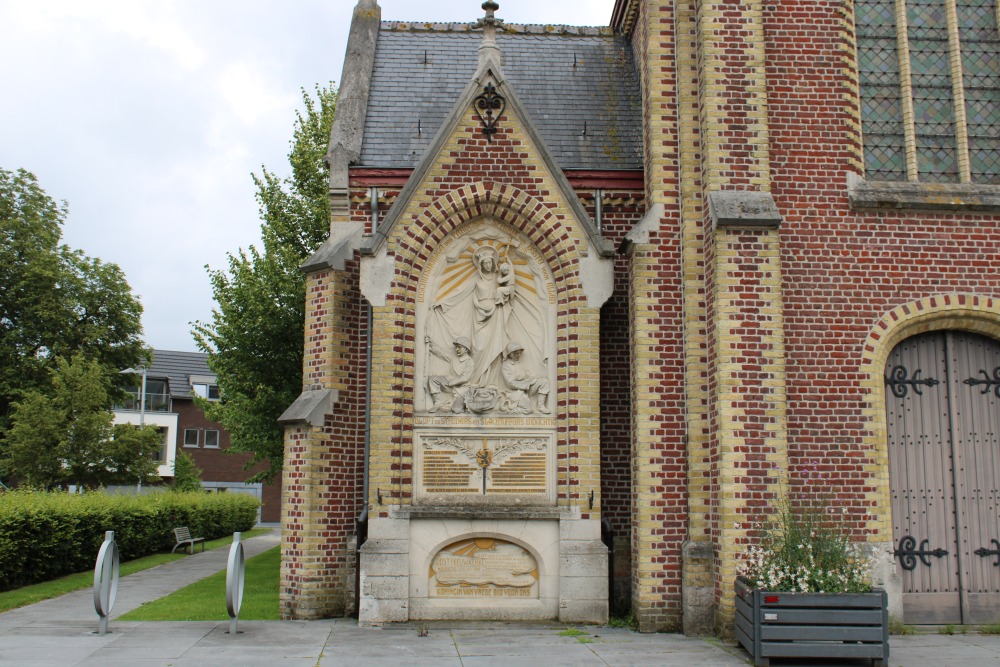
pixel 255 338
pixel 187 474
pixel 54 301
pixel 66 435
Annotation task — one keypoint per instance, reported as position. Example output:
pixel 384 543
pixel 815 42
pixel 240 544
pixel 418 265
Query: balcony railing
pixel 154 403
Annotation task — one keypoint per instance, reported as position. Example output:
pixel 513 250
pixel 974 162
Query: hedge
pixel 48 535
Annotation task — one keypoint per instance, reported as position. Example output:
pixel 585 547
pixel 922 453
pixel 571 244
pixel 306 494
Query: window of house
pixel 205 390
pixel 212 439
pixel 930 90
pixel 161 455
pixel 191 437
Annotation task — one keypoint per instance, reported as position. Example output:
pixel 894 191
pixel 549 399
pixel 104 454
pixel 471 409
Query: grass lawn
pixel 205 600
pixel 26 595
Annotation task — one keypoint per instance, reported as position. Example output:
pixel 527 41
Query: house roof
pixel 579 87
pixel 178 368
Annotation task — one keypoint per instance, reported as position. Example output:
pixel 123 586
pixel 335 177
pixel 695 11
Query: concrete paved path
pixel 62 633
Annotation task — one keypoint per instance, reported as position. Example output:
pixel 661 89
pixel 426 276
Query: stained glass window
pixel 934 128
pixel 881 113
pixel 977 26
pixel 933 105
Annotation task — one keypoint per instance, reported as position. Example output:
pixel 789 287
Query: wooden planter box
pixel 812 625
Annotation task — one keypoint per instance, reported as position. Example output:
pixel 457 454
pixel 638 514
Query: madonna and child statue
pixel 486 329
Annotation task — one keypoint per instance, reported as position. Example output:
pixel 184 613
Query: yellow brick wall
pixel 440 205
pixel 740 458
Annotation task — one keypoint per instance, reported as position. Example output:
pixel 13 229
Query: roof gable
pixel 578 87
pixel 488 74
pixel 177 368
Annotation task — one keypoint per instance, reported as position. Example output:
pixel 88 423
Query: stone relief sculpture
pixel 523 385
pixel 454 384
pixel 483 564
pixel 489 303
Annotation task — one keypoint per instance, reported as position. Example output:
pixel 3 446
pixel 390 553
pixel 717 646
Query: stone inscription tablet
pixel 484 465
pixel 483 568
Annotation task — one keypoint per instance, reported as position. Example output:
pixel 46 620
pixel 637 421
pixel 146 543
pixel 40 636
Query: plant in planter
pixel 805 589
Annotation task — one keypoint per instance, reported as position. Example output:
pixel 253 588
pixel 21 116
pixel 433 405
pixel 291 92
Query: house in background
pixel 171 383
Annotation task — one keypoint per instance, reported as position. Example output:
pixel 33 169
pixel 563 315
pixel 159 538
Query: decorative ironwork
pixel 908 553
pixel 485 105
pixel 898 382
pixel 984 552
pixel 989 382
pixel 484 458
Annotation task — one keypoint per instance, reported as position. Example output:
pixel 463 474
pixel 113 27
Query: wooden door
pixel 943 410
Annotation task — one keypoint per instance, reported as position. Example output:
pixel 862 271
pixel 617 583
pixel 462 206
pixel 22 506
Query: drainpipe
pixel 362 524
pixel 599 209
pixel 373 195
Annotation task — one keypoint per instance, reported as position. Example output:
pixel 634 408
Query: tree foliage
pixel 54 301
pixel 66 436
pixel 255 338
pixel 187 474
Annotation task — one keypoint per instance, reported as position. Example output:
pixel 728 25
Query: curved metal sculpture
pixel 106 580
pixel 234 581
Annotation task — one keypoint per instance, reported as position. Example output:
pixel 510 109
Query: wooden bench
pixel 183 535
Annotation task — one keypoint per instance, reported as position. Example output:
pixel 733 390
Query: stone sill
pixel 886 195
pixel 483 512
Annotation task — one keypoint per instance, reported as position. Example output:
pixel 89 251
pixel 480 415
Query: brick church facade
pixel 594 297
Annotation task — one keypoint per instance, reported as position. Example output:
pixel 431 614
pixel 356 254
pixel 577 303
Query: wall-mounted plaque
pixel 483 568
pixel 484 468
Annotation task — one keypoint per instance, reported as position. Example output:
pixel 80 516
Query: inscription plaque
pixel 484 465
pixel 483 568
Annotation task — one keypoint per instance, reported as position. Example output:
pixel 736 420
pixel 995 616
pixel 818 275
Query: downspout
pixel 362 524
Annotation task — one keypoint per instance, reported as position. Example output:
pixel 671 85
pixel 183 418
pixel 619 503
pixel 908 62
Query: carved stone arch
pixel 557 244
pixel 965 312
pixel 494 564
pixel 436 548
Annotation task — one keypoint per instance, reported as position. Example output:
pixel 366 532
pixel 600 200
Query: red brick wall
pixel 844 269
pixel 323 482
pixel 659 301
pixel 621 211
pixel 216 464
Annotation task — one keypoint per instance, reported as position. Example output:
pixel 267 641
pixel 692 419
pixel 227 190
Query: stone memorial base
pixel 457 563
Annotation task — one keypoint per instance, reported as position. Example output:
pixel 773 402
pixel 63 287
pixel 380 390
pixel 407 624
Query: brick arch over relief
pixel 549 233
pixel 974 313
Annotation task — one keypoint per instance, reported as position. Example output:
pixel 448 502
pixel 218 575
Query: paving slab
pixel 62 633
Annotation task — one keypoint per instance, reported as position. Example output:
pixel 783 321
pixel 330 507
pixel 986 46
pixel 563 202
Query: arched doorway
pixel 943 423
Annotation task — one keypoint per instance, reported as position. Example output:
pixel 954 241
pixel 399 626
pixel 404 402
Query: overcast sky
pixel 149 117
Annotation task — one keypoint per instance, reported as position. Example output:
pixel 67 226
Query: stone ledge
pixel 743 208
pixel 339 247
pixel 479 512
pixel 311 407
pixel 888 195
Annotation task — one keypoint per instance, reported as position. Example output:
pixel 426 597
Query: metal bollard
pixel 234 581
pixel 106 580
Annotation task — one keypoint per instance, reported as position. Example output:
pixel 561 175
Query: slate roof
pixel 177 367
pixel 568 79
